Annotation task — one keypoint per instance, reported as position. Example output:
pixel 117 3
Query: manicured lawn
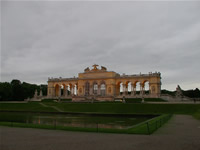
pixel 111 108
pixel 197 114
pixel 30 106
pixel 121 108
pixel 139 100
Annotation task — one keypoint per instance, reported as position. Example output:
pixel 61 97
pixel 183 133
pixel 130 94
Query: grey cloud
pixel 52 39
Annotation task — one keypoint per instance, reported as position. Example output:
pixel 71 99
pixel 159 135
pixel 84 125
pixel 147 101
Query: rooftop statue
pixel 179 92
pixel 87 69
pixel 95 67
pixel 103 68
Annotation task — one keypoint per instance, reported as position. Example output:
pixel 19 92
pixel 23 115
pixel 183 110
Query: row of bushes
pixel 127 100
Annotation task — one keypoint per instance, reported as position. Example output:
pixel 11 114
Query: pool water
pixel 74 120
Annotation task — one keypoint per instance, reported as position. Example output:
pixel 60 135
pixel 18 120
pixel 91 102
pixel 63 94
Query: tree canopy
pixel 15 90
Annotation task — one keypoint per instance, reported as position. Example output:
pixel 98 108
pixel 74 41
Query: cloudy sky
pixel 42 39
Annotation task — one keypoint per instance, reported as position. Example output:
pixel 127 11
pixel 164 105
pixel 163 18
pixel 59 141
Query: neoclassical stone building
pixel 100 84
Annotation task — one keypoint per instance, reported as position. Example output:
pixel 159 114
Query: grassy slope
pixel 31 106
pixel 119 108
pixel 128 108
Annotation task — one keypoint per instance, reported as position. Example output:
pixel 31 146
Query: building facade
pixel 100 84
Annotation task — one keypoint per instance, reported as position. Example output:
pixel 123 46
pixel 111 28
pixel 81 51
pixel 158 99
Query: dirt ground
pixel 182 132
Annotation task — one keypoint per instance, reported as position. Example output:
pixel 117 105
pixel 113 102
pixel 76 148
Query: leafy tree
pixel 17 90
pixel 192 93
pixel 5 91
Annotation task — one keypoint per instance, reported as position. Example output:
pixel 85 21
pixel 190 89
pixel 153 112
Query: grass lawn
pixel 105 108
pixel 30 106
pixel 128 108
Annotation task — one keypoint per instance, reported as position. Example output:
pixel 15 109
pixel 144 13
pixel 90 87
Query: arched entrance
pixel 87 88
pixel 103 89
pixel 57 90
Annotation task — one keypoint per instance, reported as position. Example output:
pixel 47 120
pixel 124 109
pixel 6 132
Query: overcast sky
pixel 60 39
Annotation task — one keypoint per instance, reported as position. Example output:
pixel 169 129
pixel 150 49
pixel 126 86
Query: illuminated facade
pixel 100 84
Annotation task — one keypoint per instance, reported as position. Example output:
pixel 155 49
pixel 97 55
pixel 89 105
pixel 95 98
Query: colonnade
pixel 63 90
pixel 133 89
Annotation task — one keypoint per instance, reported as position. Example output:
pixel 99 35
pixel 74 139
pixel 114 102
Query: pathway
pixel 180 133
pixel 54 107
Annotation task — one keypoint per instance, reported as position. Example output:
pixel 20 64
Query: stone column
pixel 105 89
pixel 124 89
pixel 99 90
pixel 53 92
pixel 91 90
pixel 59 91
pixel 83 91
pixel 118 90
pixel 66 92
pixel 141 89
pixel 132 89
pixel 72 90
pixel 113 89
pixel 41 93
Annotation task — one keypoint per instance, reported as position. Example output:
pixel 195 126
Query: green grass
pixel 30 106
pixel 197 114
pixel 52 100
pixel 139 100
pixel 105 108
pixel 149 126
pixel 121 108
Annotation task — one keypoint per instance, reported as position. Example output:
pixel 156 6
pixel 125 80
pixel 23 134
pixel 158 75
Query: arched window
pixel 121 88
pixel 62 90
pixel 129 87
pixel 87 88
pixel 49 91
pixel 146 87
pixel 68 89
pixel 57 90
pixel 80 90
pixel 75 89
pixel 103 89
pixel 109 90
pixel 138 87
pixel 95 88
pixel 153 89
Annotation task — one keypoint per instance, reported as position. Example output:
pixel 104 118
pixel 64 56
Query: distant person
pixel 124 101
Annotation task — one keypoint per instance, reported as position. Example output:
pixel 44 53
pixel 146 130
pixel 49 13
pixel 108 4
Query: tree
pixel 17 90
pixel 5 91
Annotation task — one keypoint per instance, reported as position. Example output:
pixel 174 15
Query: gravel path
pixel 54 107
pixel 180 133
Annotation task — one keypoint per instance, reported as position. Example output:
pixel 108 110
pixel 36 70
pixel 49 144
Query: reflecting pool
pixel 75 120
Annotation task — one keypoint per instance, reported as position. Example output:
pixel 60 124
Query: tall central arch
pixel 103 89
pixel 87 88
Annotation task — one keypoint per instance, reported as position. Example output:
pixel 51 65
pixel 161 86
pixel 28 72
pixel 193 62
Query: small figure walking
pixel 194 100
pixel 124 100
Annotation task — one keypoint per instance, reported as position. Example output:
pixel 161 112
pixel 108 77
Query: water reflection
pixel 86 121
